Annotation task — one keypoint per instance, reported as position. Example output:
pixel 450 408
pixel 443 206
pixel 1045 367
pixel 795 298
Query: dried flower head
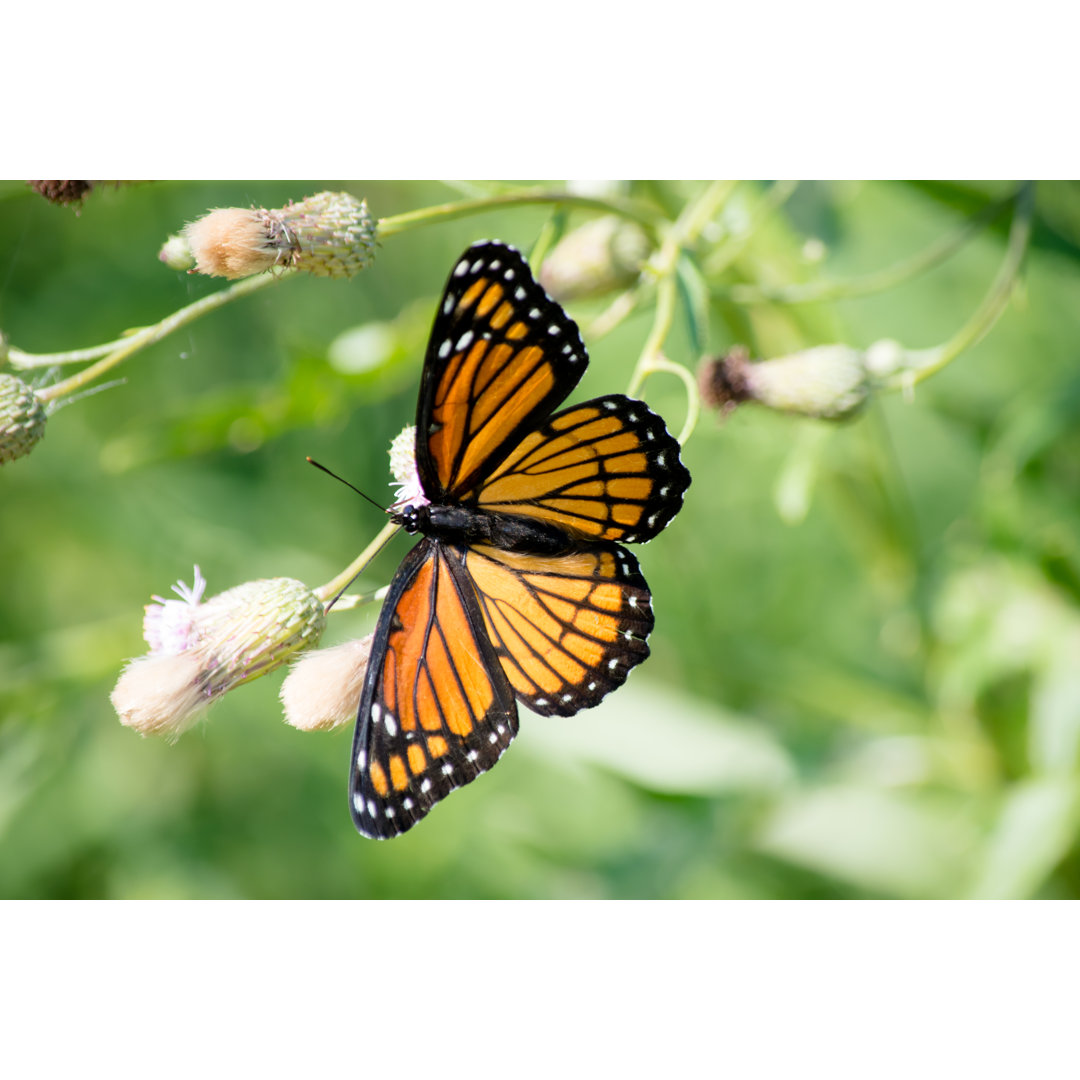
pixel 410 492
pixel 830 382
pixel 199 651
pixel 330 235
pixel 601 256
pixel 63 192
pixel 322 691
pixel 22 419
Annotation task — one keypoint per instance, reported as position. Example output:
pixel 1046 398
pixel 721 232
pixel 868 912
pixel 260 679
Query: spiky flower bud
pixel 322 691
pixel 830 382
pixel 330 235
pixel 199 651
pixel 22 418
pixel 410 492
pixel 601 256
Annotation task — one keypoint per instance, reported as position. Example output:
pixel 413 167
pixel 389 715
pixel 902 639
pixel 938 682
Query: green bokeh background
pixel 865 678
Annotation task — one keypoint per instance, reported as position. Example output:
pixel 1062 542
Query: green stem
pixel 150 334
pixel 25 360
pixel 358 565
pixel 925 362
pixel 643 214
pixel 877 281
pixel 769 203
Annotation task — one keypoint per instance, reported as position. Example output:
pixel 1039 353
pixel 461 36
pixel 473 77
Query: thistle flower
pixel 199 651
pixel 830 382
pixel 322 691
pixel 330 235
pixel 22 418
pixel 406 476
pixel 601 256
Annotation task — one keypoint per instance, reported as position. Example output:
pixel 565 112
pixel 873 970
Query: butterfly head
pixel 412 519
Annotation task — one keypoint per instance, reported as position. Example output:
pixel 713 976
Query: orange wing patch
pixel 604 470
pixel 436 709
pixel 568 628
pixel 502 355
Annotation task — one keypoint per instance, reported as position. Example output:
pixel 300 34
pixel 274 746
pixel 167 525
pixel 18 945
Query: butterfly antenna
pixel 312 461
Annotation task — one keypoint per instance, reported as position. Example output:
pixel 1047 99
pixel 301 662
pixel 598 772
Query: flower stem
pixel 925 362
pixel 632 209
pixel 150 334
pixel 879 280
pixel 358 565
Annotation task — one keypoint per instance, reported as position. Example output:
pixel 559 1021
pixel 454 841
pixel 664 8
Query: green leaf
pixel 1037 826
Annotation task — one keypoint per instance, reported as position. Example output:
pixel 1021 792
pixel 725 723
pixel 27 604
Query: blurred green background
pixel 865 678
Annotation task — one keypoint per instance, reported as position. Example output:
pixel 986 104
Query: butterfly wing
pixel 436 709
pixel 502 355
pixel 567 628
pixel 607 469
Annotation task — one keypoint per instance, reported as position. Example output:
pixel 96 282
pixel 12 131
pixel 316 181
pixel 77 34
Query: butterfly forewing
pixel 604 470
pixel 436 709
pixel 502 356
pixel 566 629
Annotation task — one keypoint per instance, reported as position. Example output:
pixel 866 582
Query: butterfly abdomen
pixel 464 525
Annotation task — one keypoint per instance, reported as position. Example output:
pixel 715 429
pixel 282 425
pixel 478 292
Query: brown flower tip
pixel 63 192
pixel 724 380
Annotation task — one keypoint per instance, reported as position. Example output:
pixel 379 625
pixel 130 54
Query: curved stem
pixel 150 334
pixel 925 362
pixel 643 214
pixel 877 281
pixel 693 395
pixel 358 565
pixel 25 360
pixel 770 202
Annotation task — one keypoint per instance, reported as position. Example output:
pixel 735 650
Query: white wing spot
pixel 567 697
pixel 534 313
pixel 391 725
pixel 376 713
pixel 361 759
pixel 495 264
pixel 613 664
pixel 448 303
pixel 444 349
pixel 389 811
pixel 652 519
pixel 650 435
pixel 553 329
pixel 509 275
pixel 472 755
pixel 358 802
pixel 633 601
pixel 519 293
pixel 371 808
pixel 592 686
pixel 632 417
pixel 447 769
pixel 627 635
pixel 461 268
pixel 611 404
pixel 493 738
pixel 425 786
pixel 501 729
pixel 476 265
pixel 465 340
pixel 541 701
pixel 406 804
pixel 659 459
pixel 664 490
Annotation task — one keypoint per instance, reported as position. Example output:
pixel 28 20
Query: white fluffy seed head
pixel 322 690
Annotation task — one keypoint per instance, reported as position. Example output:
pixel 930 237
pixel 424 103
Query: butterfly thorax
pixel 470 525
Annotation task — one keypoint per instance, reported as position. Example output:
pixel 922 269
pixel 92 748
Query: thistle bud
pixel 199 651
pixel 604 255
pixel 322 691
pixel 330 235
pixel 22 418
pixel 829 382
pixel 176 254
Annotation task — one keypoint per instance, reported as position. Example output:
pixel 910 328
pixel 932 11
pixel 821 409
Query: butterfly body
pixel 520 589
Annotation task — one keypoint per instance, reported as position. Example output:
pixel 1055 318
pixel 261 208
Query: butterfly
pixel 520 588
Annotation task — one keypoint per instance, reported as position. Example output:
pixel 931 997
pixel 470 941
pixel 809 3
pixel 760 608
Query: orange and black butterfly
pixel 520 587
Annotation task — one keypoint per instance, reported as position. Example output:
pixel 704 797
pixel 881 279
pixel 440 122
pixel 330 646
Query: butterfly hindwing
pixel 607 469
pixel 566 628
pixel 436 709
pixel 501 357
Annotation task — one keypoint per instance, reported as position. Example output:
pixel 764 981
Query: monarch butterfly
pixel 519 587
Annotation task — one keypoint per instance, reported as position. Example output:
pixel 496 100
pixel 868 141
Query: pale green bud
pixel 597 258
pixel 176 254
pixel 332 234
pixel 22 419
